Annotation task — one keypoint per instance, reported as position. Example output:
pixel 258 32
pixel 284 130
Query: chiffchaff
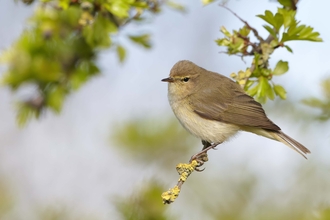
pixel 213 108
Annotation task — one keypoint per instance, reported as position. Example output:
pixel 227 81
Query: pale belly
pixel 208 130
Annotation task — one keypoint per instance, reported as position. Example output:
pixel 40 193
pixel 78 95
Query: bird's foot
pixel 201 157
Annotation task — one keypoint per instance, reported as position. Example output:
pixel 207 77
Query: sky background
pixel 68 158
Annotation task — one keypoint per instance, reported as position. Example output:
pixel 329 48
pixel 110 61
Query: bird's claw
pixel 201 159
pixel 199 170
pixel 200 163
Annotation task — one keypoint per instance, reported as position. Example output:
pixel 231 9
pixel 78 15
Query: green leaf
pixel 270 93
pixel 222 42
pixel 237 45
pixel 176 6
pixel 83 72
pixel 313 102
pixel 301 32
pixel 281 68
pixel 55 99
pixel 143 40
pixel 98 33
pixel 24 113
pixel 271 31
pixel 276 21
pixel 263 86
pixel 280 91
pixel 307 34
pixel 288 16
pixel 265 72
pixel 265 90
pixel 206 2
pixel 288 48
pixel 225 31
pixel 285 3
pixel 118 8
pixel 244 31
pixel 268 17
pixel 294 29
pixel 121 53
pixel 248 84
pixel 274 43
pixel 261 99
pixel 256 61
pixel 140 5
pixel 253 91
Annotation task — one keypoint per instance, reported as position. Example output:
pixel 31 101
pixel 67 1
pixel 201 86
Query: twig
pixel 184 171
pixel 294 4
pixel 239 55
pixel 255 32
pixel 255 47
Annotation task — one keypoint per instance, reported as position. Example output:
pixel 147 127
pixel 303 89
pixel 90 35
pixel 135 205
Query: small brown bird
pixel 213 108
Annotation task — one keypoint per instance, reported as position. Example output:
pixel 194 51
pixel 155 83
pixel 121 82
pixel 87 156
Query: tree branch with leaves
pixel 282 27
pixel 57 52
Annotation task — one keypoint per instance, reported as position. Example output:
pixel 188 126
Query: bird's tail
pixel 290 142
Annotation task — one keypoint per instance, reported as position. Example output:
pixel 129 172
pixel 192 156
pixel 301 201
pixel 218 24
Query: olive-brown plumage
pixel 214 108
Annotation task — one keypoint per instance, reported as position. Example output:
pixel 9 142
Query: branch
pixel 255 32
pixel 184 171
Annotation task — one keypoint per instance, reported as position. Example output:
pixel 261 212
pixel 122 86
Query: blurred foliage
pixel 324 214
pixel 322 104
pixel 144 204
pixel 151 140
pixel 245 195
pixel 176 6
pixel 57 52
pixel 60 213
pixel 239 195
pixel 206 2
pixel 9 211
pixel 6 200
pixel 282 28
pixel 230 196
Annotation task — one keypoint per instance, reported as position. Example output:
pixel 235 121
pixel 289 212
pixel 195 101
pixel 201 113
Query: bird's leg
pixel 205 144
pixel 201 157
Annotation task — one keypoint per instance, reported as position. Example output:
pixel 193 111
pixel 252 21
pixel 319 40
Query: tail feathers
pixel 290 142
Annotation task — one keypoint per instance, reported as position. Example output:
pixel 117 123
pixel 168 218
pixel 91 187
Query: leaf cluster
pixel 282 27
pixel 149 142
pixel 143 204
pixel 57 53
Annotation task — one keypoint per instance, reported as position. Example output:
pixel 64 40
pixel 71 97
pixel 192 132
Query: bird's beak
pixel 169 79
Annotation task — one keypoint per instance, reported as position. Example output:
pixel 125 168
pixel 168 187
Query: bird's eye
pixel 186 79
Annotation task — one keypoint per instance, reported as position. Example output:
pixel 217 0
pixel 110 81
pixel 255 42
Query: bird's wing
pixel 235 107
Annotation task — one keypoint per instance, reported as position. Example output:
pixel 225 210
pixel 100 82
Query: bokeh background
pixel 113 149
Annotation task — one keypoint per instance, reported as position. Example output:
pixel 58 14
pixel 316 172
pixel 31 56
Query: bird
pixel 214 108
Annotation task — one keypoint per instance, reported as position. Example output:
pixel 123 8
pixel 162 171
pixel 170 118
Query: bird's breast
pixel 209 130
